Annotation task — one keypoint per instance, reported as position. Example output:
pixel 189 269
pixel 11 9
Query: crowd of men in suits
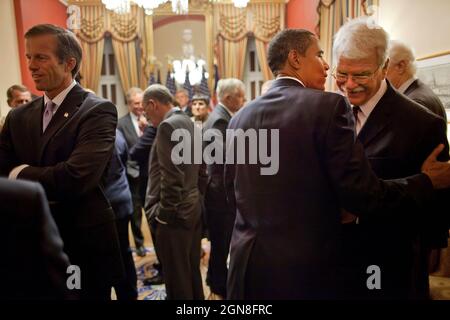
pixel 361 182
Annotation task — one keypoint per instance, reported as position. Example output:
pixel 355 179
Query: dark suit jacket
pixel 33 264
pixel 140 152
pixel 286 238
pixel 215 191
pixel 173 194
pixel 188 111
pixel 125 125
pixel 69 160
pixel 422 94
pixel 397 138
pixel 117 189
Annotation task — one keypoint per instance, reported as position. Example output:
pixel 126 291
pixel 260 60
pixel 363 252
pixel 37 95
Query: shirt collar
pixel 406 84
pixel 368 107
pixel 292 78
pixel 133 116
pixel 170 112
pixel 58 100
pixel 228 110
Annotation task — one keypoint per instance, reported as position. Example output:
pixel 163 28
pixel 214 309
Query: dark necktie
pixel 356 110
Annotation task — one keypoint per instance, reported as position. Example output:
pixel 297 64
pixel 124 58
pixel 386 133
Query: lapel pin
pixel 66 115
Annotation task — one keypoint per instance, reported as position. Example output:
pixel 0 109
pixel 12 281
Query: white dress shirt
pixel 134 120
pixel 292 78
pixel 368 107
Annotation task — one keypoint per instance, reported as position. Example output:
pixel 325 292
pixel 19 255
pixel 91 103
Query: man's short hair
pixel 399 51
pixel 159 93
pixel 201 97
pixel 182 90
pixel 358 39
pixel 67 43
pixel 229 86
pixel 131 92
pixel 285 41
pixel 16 87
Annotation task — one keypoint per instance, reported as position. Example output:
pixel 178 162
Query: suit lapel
pixel 34 123
pixel 36 111
pixel 379 118
pixel 129 127
pixel 64 113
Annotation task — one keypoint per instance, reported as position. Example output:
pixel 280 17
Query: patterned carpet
pixel 439 285
pixel 439 282
pixel 144 269
pixel 440 288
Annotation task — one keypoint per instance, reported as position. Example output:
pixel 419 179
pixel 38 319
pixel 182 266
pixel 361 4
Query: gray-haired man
pixel 173 199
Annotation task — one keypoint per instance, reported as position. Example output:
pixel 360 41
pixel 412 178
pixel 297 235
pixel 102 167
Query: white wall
pixel 423 24
pixel 9 54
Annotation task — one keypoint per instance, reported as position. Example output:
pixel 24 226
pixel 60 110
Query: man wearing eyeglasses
pixel 397 135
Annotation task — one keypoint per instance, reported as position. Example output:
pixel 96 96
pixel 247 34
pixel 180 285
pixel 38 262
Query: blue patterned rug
pixel 144 269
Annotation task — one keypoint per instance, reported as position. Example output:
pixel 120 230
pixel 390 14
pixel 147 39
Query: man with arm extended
pixel 130 127
pixel 287 235
pixel 397 135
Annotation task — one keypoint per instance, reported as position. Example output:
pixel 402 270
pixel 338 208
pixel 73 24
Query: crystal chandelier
pixel 178 6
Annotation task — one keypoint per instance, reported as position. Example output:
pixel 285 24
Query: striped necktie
pixel 356 110
pixel 48 114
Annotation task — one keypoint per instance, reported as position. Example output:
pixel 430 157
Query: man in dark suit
pixel 118 193
pixel 17 95
pixel 27 223
pixel 401 73
pixel 140 153
pixel 286 238
pixel 64 140
pixel 182 97
pixel 131 125
pixel 397 135
pixel 173 199
pixel 219 217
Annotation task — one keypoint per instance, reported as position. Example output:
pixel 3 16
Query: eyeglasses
pixel 362 78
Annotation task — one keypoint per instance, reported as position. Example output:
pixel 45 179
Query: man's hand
pixel 438 172
pixel 142 123
pixel 347 217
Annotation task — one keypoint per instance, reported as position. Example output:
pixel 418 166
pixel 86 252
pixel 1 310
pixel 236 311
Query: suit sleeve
pixel 172 176
pixel 83 170
pixel 218 169
pixel 357 186
pixel 229 173
pixel 8 159
pixel 435 226
pixel 51 246
pixel 141 150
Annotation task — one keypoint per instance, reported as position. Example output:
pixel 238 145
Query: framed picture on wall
pixel 434 70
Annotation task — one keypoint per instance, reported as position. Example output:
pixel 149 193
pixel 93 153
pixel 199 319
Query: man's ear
pixel 153 104
pixel 401 66
pixel 294 59
pixel 70 64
